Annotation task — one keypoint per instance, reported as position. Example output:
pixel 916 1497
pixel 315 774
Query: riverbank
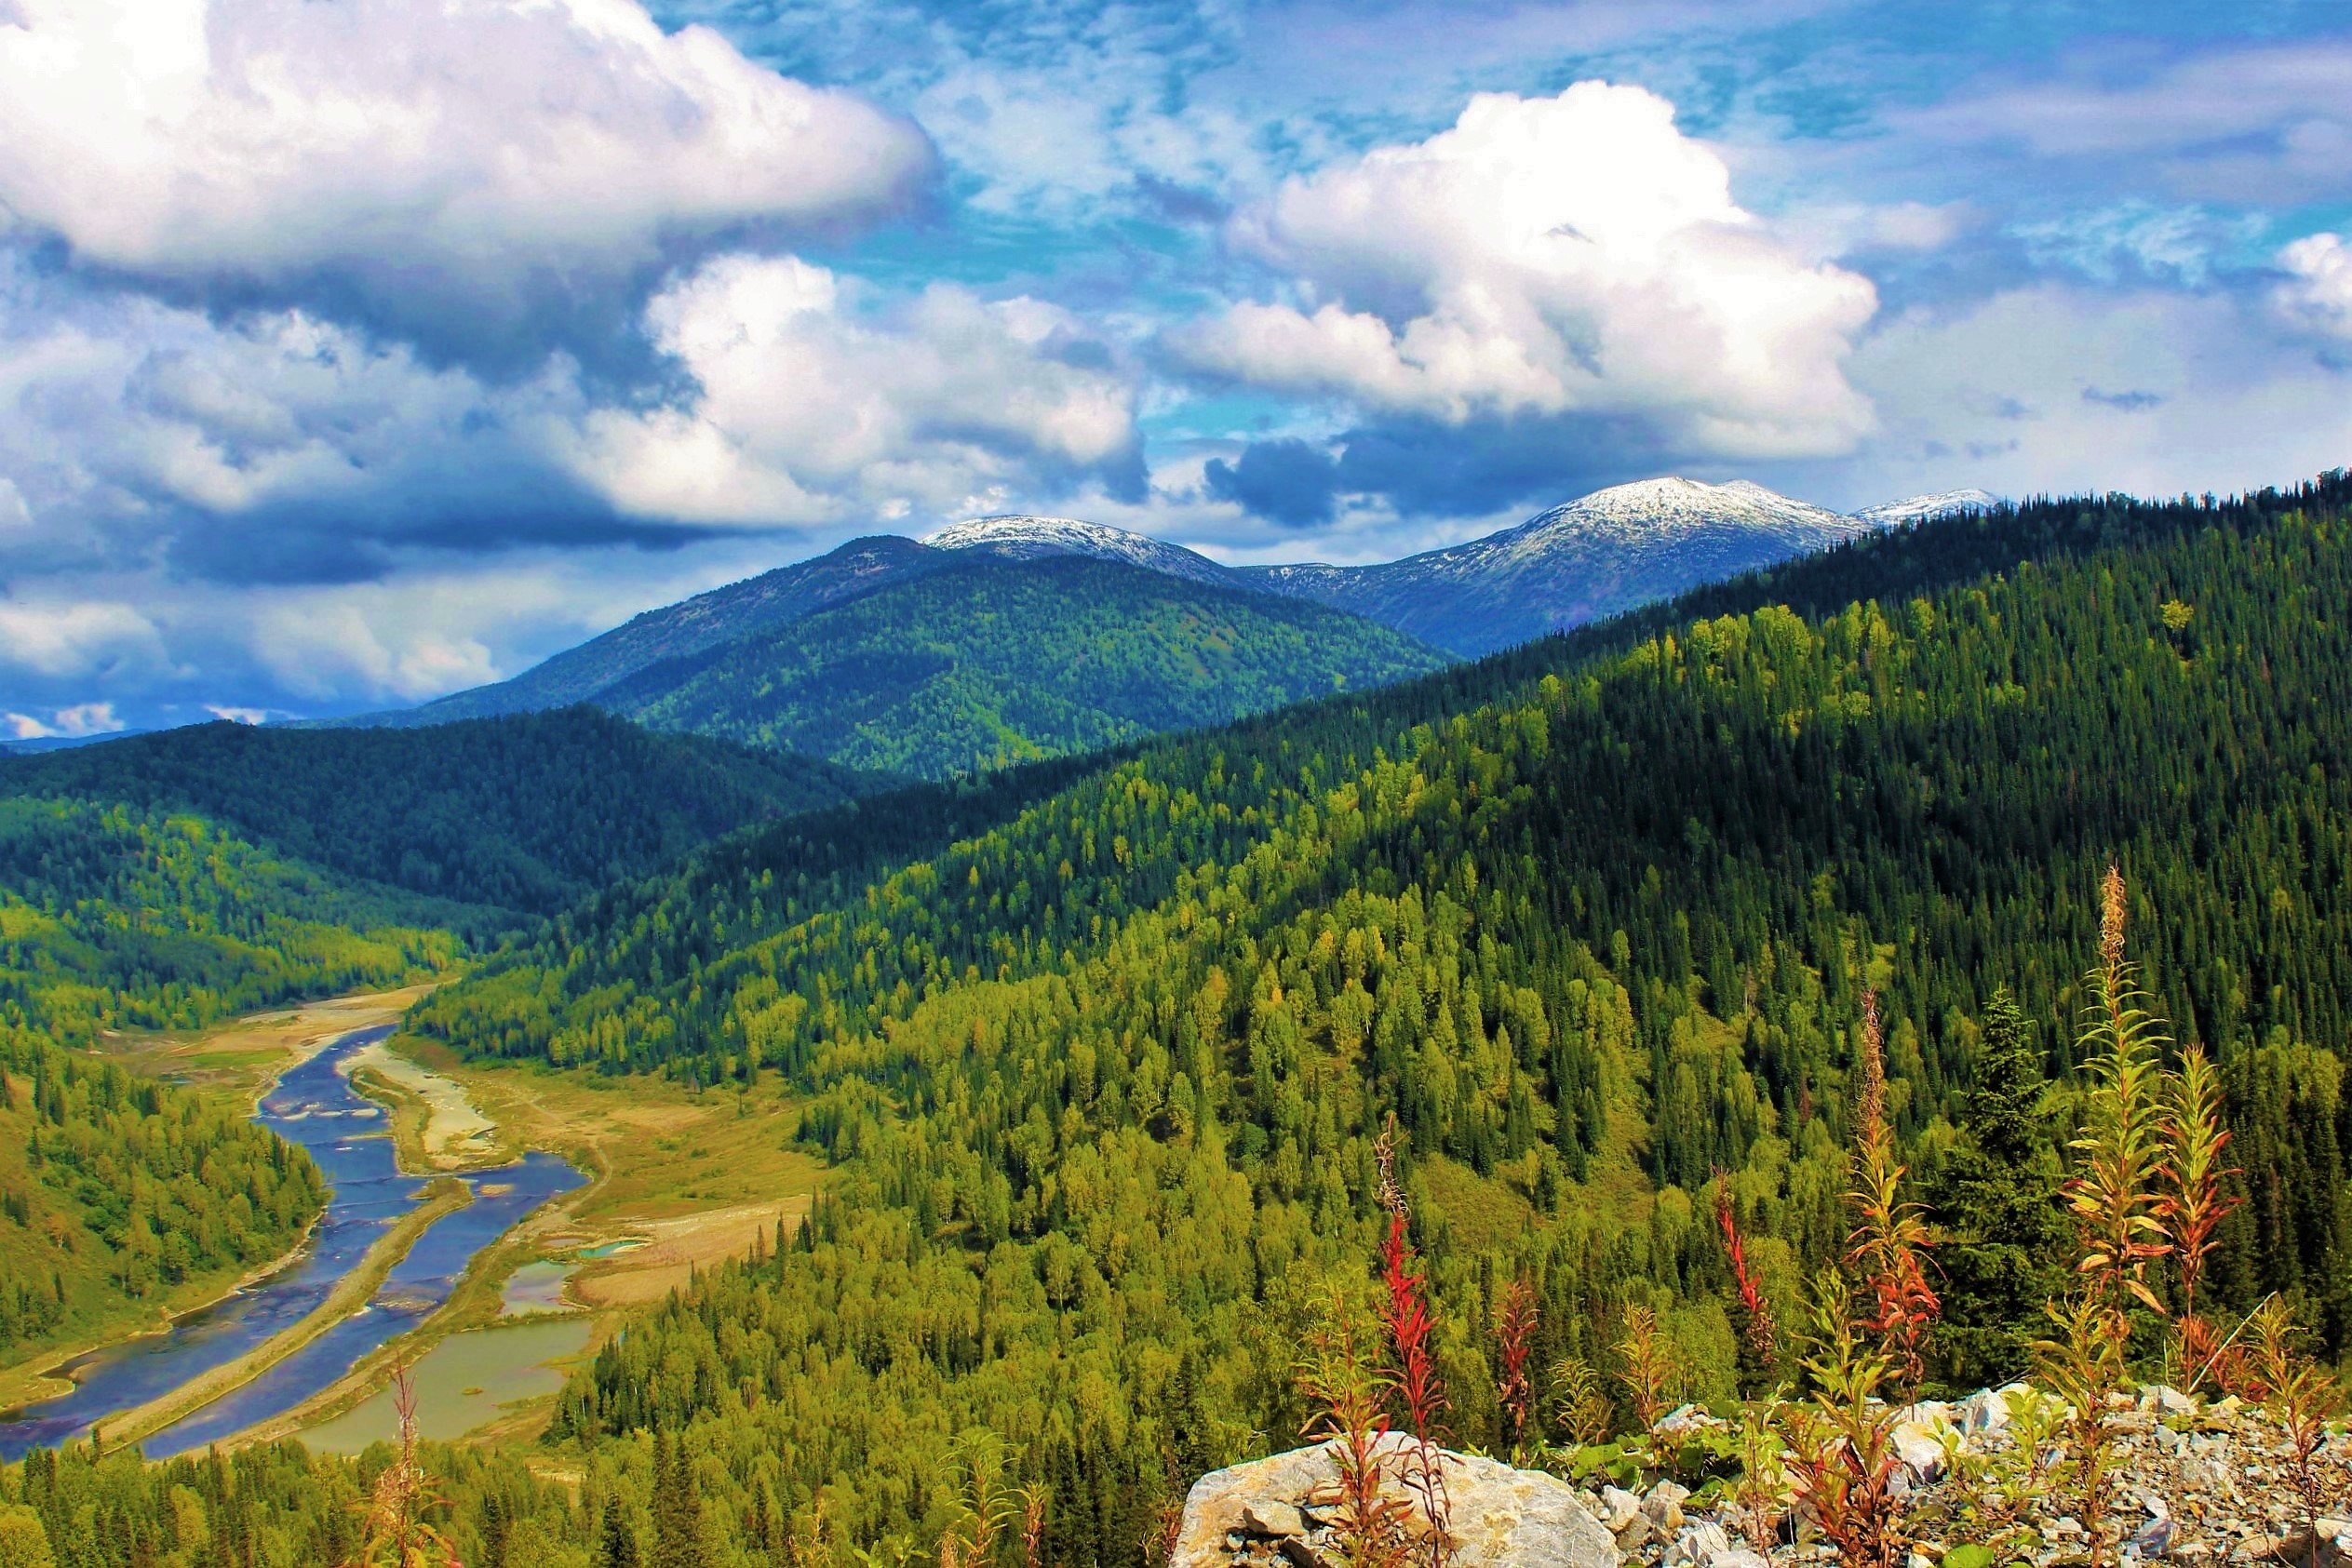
pixel 686 1179
pixel 350 1293
pixel 235 1061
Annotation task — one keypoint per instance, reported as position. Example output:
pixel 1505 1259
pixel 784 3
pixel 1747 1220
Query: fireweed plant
pixel 1412 1369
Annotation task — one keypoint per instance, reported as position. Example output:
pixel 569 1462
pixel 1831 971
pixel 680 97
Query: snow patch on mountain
pixel 1026 538
pixel 1927 508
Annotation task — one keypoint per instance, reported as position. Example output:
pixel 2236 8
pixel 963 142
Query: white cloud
pixel 2270 123
pixel 279 446
pixel 811 408
pixel 78 720
pixel 84 638
pixel 2318 293
pixel 2055 389
pixel 236 715
pixel 1575 254
pixel 436 148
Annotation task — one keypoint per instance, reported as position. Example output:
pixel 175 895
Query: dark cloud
pixel 1427 468
pixel 2130 402
pixel 1289 482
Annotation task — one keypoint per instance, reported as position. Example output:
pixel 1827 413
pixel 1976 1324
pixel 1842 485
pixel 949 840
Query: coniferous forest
pixel 1619 931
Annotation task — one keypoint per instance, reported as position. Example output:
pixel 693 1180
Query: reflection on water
pixel 315 1106
pixel 461 1383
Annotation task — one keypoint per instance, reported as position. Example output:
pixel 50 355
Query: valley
pixel 676 1183
pixel 1044 1104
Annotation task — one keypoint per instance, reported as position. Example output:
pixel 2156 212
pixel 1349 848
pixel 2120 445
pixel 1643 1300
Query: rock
pixel 1707 1545
pixel 1663 1504
pixel 2164 1399
pixel 2154 1539
pixel 1918 1439
pixel 1619 1508
pixel 1267 1516
pixel 1500 1516
pixel 1684 1421
pixel 1987 1410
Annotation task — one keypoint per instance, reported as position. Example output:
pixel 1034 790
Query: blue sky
pixel 353 351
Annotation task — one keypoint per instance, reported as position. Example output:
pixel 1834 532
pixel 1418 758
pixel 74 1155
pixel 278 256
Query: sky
pixel 352 352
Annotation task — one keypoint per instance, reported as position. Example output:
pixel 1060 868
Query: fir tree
pixel 1998 1202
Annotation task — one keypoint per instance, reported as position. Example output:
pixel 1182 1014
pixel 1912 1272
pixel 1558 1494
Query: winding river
pixel 313 1105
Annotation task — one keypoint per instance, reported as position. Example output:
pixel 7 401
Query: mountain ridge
pixel 1583 560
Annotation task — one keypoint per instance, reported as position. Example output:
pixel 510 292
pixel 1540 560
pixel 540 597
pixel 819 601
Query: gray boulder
pixel 1525 1518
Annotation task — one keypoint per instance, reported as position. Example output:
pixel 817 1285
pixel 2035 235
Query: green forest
pixel 118 1187
pixel 1099 1081
pixel 998 662
pixel 519 816
pixel 1099 1048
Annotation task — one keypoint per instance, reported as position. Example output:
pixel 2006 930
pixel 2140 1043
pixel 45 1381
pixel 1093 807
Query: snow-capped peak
pixel 1668 506
pixel 1923 508
pixel 1026 537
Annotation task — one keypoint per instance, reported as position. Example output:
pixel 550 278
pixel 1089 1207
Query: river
pixel 313 1105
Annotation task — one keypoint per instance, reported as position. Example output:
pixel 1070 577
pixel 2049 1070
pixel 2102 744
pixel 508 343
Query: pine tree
pixel 677 1509
pixel 616 1546
pixel 1999 1202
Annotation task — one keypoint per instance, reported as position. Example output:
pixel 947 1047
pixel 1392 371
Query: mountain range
pixel 723 663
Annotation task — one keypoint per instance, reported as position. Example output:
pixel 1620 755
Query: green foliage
pixel 522 814
pixel 997 661
pixel 1098 1051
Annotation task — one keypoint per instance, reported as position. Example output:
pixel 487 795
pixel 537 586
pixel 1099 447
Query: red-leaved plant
pixel 1888 1246
pixel 1755 1313
pixel 1412 1372
pixel 1514 1340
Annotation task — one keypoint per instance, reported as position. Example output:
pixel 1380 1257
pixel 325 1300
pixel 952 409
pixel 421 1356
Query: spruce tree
pixel 1998 1203
pixel 617 1547
pixel 677 1510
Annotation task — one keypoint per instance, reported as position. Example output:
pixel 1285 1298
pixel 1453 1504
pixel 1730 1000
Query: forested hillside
pixel 519 816
pixel 683 630
pixel 1592 920
pixel 997 661
pixel 122 1189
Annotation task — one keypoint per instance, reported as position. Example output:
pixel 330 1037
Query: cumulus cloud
pixel 812 403
pixel 78 638
pixel 488 155
pixel 281 448
pixel 2318 293
pixel 1575 257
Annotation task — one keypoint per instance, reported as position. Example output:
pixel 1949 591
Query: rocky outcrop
pixel 1281 1511
pixel 2206 1484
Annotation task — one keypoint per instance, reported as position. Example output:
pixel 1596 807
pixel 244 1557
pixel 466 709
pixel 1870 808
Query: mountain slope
pixel 1100 1082
pixel 1608 552
pixel 1000 660
pixel 513 816
pixel 682 630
